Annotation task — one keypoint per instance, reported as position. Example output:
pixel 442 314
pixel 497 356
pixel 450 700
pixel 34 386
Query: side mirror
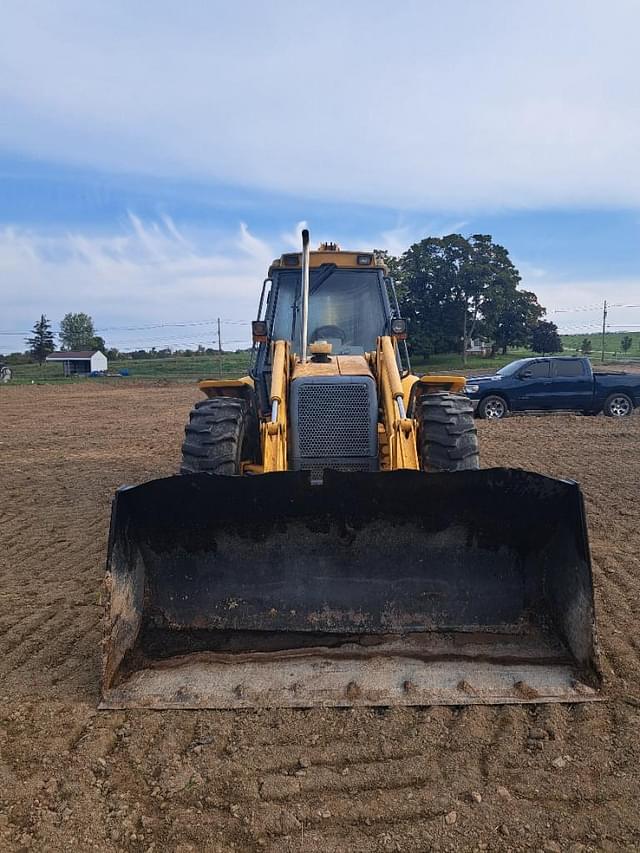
pixel 526 374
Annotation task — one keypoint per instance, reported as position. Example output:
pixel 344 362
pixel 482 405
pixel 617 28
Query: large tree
pixel 97 343
pixel 545 338
pixel 452 288
pixel 41 344
pixel 432 275
pixel 510 315
pixel 77 332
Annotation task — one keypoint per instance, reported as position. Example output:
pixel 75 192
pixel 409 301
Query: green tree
pixel 432 276
pixel 545 338
pixel 394 269
pixel 512 322
pixel 41 344
pixel 77 332
pixel 585 346
pixel 626 343
pixel 97 343
pixel 452 288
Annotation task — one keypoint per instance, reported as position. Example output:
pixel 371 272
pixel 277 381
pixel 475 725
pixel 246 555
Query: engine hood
pixel 470 380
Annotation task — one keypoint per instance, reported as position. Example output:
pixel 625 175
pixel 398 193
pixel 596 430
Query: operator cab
pixel 352 302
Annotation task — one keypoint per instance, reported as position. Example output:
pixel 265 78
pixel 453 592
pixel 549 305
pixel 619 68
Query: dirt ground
pixel 550 778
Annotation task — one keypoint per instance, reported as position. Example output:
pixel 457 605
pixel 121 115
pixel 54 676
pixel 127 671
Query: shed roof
pixel 72 356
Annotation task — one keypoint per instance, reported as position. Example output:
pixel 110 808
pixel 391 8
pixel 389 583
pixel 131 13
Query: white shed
pixel 82 363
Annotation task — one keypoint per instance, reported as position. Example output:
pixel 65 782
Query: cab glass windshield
pixel 345 308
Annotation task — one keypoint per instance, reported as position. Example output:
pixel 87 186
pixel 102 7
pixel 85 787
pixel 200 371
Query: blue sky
pixel 153 159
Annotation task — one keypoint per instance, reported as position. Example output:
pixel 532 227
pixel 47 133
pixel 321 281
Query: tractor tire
pixel 493 408
pixel 618 405
pixel 448 438
pixel 222 432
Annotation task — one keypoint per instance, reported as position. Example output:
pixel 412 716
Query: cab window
pixel 537 370
pixel 570 367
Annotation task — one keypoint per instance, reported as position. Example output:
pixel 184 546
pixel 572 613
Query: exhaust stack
pixel 305 295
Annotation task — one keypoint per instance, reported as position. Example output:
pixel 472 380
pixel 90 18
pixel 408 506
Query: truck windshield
pixel 345 308
pixel 513 367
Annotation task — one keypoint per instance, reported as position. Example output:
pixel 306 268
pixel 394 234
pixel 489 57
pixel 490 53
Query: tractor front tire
pixel 222 433
pixel 447 433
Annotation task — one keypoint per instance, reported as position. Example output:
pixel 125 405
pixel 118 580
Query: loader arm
pixel 400 431
pixel 274 430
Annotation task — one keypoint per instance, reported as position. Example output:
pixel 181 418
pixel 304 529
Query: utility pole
pixel 220 349
pixel 604 326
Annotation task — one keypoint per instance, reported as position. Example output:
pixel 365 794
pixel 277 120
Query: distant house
pixel 478 346
pixel 80 363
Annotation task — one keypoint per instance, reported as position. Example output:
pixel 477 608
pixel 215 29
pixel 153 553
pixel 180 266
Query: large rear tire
pixel 220 435
pixel 447 433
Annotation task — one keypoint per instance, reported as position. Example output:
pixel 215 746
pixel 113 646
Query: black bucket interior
pixel 236 563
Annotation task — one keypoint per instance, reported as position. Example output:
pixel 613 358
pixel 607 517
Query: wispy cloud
pixel 292 239
pixel 149 273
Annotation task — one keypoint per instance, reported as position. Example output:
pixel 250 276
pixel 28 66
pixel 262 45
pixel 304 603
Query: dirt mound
pixel 499 779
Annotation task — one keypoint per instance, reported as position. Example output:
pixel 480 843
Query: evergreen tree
pixel 41 344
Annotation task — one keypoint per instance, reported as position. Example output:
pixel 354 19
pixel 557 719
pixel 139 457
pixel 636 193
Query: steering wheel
pixel 324 333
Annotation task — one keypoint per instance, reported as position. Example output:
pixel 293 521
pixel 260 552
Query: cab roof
pixel 329 253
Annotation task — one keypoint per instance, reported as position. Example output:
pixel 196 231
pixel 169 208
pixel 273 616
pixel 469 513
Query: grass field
pixel 236 364
pixel 612 342
pixel 181 367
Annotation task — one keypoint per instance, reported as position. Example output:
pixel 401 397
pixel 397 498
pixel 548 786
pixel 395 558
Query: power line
pixel 168 325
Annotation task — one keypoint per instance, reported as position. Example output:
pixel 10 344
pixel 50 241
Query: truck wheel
pixel 448 437
pixel 221 433
pixel 493 407
pixel 617 405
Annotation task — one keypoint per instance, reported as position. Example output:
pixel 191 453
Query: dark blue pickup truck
pixel 553 384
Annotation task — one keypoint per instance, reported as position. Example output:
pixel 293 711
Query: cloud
pixel 575 305
pixel 157 272
pixel 148 273
pixel 292 239
pixel 431 106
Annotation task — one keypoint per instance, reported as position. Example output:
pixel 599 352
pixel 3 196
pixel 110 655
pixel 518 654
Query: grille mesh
pixel 334 420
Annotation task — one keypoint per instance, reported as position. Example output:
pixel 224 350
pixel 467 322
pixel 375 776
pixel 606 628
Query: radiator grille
pixel 334 420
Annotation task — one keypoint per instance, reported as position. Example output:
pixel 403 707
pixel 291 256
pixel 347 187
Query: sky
pixel 154 157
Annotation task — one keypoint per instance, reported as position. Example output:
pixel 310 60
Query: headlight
pixel 471 389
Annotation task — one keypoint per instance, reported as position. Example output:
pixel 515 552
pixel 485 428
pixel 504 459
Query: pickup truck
pixel 553 384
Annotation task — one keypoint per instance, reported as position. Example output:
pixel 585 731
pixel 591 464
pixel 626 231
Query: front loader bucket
pixel 395 588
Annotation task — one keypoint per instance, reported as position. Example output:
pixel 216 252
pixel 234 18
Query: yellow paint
pixel 273 434
pixel 344 260
pixel 337 365
pixel 444 382
pixel 218 387
pixel 401 446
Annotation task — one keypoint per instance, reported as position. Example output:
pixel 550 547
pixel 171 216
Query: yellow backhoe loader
pixel 331 540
